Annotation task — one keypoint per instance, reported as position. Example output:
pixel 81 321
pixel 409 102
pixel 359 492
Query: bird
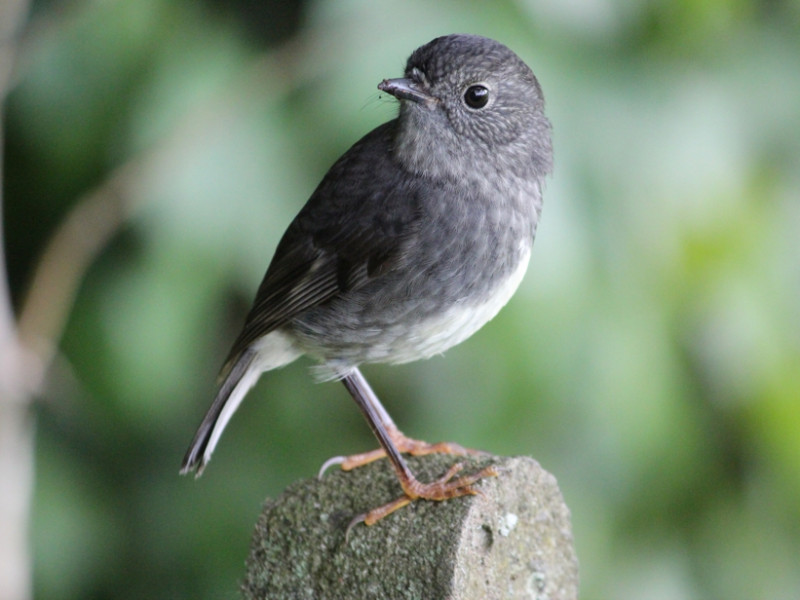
pixel 414 239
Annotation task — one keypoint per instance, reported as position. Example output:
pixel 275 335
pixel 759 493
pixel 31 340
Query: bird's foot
pixel 442 489
pixel 404 444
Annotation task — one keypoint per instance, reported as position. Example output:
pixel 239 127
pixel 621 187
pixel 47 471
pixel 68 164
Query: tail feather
pixel 238 380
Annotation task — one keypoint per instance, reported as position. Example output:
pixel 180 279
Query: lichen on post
pixel 511 541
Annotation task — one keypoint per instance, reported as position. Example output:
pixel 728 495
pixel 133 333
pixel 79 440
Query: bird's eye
pixel 476 96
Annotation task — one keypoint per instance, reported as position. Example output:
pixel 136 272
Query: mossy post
pixel 511 541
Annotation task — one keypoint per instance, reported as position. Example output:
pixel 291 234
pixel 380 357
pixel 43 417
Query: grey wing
pixel 299 278
pixel 308 275
pixel 344 237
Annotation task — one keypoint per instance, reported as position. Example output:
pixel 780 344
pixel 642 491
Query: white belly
pixel 458 322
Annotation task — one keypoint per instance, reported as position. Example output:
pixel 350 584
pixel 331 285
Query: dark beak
pixel 405 89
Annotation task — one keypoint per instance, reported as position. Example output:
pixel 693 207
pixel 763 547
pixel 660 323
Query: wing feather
pixel 344 237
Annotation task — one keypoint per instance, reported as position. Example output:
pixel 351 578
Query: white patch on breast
pixel 460 321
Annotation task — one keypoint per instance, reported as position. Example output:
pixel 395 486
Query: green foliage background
pixel 651 359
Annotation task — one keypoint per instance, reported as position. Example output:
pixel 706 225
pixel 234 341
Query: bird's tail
pixel 237 378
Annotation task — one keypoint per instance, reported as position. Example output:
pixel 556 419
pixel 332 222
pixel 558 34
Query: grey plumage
pixel 414 238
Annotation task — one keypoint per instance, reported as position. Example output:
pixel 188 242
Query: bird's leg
pixel 402 443
pixel 382 426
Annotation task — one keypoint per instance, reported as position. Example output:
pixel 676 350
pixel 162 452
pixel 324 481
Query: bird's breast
pixel 463 264
pixel 434 333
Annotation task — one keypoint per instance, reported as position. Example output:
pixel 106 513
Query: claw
pixel 335 460
pixel 356 520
